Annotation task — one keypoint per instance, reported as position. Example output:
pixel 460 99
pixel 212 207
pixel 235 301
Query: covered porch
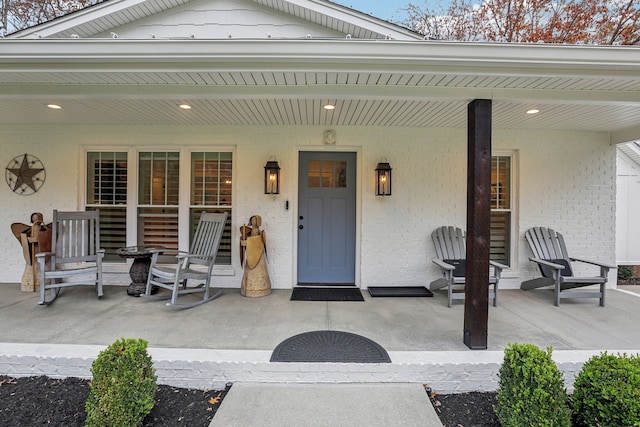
pixel 232 338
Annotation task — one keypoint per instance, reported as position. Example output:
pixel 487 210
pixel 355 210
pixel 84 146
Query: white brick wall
pixel 443 371
pixel 565 180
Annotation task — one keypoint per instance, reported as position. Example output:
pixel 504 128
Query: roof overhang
pixel 418 83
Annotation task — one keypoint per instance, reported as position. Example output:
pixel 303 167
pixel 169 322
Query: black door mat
pixel 399 291
pixel 305 284
pixel 329 346
pixel 326 294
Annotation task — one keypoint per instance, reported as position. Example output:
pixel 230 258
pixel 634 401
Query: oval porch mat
pixel 329 346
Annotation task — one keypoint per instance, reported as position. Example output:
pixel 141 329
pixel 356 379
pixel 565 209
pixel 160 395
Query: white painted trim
pixel 514 59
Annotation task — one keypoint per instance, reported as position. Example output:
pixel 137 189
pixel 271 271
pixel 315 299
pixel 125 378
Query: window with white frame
pixel 501 208
pixel 210 185
pixel 107 191
pixel 158 198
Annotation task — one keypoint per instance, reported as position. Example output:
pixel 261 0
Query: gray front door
pixel 327 218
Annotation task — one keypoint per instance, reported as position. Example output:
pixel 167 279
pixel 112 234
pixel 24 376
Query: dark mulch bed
pixel 37 401
pixel 473 409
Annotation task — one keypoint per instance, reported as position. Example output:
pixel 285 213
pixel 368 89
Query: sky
pixel 389 10
pixel 384 9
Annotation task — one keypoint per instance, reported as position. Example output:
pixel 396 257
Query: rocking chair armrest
pixel 44 254
pixel 442 264
pixel 547 263
pixel 596 263
pixel 168 252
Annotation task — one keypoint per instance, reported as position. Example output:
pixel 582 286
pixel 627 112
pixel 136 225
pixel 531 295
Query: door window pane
pixel 327 174
pixel 341 174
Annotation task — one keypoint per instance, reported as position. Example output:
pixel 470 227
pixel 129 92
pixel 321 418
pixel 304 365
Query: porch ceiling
pixel 371 84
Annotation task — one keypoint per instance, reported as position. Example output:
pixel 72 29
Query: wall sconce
pixel 383 178
pixel 272 177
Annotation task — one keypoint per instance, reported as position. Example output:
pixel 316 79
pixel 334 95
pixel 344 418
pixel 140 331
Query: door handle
pixel 301 226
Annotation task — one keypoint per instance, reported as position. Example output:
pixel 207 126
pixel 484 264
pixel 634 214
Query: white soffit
pixel 268 82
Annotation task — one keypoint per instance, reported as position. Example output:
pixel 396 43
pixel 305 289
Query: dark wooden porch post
pixel 476 303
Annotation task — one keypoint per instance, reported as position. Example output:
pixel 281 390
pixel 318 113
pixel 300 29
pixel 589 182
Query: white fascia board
pixel 337 55
pixel 357 18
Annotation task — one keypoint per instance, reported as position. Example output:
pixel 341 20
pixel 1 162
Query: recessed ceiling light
pixel 329 107
pixel 533 111
pixel 54 106
pixel 185 106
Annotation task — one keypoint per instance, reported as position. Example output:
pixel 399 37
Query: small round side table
pixel 139 270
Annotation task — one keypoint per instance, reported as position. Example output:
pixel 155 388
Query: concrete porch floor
pixel 231 339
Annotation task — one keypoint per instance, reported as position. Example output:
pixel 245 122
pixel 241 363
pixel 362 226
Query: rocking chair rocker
pixel 197 264
pixel 76 258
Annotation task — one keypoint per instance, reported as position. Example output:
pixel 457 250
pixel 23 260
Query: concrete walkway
pixel 318 405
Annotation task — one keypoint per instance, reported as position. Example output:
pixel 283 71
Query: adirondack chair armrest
pixel 497 268
pixel 442 264
pixel 596 263
pixel 547 263
pixel 497 265
pixel 604 267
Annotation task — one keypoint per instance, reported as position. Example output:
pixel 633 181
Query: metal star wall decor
pixel 25 174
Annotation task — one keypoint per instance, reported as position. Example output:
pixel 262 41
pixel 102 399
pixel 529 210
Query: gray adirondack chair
pixel 450 245
pixel 76 256
pixel 551 255
pixel 195 265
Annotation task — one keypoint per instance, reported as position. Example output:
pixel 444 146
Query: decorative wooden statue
pixel 33 239
pixel 253 256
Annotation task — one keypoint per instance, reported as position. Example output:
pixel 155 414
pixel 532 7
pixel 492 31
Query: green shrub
pixel 123 387
pixel 531 391
pixel 607 391
pixel 625 272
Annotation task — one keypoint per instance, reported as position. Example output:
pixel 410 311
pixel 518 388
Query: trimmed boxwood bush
pixel 123 387
pixel 625 272
pixel 607 391
pixel 530 390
